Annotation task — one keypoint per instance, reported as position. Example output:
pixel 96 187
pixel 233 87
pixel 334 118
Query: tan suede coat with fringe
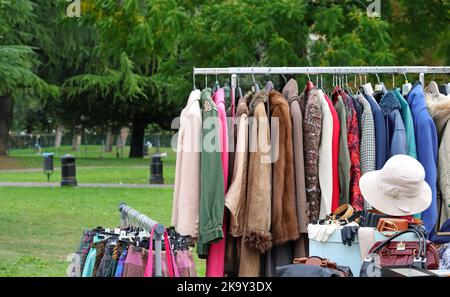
pixel 257 238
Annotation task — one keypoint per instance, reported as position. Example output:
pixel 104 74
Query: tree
pixel 134 39
pixel 17 62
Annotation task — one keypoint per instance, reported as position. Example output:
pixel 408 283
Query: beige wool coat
pixel 186 197
pixel 257 238
pixel 236 197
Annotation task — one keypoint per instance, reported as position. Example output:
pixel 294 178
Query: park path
pixel 58 169
pixel 84 185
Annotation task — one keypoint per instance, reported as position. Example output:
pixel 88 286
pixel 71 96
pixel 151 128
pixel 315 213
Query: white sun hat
pixel 399 188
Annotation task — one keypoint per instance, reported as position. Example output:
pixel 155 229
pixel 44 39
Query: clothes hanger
pixel 216 83
pixel 206 79
pixel 269 84
pixel 238 89
pixel 379 85
pixel 193 81
pixel 347 86
pixel 255 84
pixel 285 79
pixel 309 84
pixel 407 86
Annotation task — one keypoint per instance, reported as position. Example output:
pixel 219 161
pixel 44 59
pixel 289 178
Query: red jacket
pixel 335 155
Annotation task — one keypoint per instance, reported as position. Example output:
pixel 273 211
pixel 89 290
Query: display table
pixel 344 255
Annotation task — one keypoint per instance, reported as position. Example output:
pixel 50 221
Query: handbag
pixel 421 254
pixel 168 267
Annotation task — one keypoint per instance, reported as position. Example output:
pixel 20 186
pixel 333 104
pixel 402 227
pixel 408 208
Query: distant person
pixel 37 147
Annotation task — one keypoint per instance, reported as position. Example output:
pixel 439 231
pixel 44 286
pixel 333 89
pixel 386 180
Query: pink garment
pixel 335 156
pixel 215 265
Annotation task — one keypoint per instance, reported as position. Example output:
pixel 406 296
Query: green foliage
pixel 346 36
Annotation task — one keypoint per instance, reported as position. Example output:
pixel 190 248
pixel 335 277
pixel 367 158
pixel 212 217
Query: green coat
pixel 212 197
pixel 344 154
pixel 405 111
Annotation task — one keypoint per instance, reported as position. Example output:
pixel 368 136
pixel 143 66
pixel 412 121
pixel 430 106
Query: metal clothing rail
pixel 323 70
pixel 130 216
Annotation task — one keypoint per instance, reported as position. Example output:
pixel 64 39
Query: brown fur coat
pixel 284 208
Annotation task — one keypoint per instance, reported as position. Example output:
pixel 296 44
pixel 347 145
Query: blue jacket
pixel 427 147
pixel 380 131
pixel 395 129
pixel 409 125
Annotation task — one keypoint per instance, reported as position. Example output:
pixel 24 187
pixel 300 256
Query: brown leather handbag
pixel 315 261
pixel 421 254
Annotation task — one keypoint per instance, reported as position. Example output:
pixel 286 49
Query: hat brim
pixel 372 193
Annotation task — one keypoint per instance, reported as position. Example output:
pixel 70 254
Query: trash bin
pixel 68 171
pixel 156 170
pixel 48 164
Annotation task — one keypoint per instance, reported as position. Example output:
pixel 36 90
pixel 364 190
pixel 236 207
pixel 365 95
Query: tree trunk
pixel 122 137
pixel 76 140
pixel 137 136
pixel 6 111
pixel 109 141
pixel 59 135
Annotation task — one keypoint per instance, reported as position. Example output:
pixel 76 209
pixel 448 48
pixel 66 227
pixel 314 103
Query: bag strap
pixel 171 265
pixel 149 267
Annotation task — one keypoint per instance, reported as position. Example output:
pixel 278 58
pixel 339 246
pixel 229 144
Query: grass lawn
pixel 106 169
pixel 39 227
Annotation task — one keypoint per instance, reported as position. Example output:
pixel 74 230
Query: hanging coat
pixel 426 144
pixel 368 143
pixel 356 198
pixel 395 129
pixel 284 214
pixel 344 155
pixel 409 125
pixel 235 198
pixel 380 131
pixel 215 266
pixel 257 238
pixel 326 158
pixel 290 92
pixel 335 154
pixel 368 156
pixel 186 198
pixel 439 108
pixel 212 198
pixel 312 127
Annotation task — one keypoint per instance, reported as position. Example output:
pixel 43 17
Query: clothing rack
pixel 422 70
pixel 129 216
pixel 324 70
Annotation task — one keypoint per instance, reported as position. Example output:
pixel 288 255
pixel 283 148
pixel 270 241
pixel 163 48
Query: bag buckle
pixel 401 246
